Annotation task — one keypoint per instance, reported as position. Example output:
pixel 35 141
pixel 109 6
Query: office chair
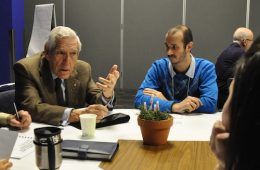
pixel 7 86
pixel 7 95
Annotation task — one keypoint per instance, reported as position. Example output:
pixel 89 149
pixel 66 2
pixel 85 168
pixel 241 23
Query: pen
pixel 16 113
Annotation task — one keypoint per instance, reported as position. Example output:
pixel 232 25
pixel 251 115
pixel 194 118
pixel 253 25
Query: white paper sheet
pixel 23 146
pixel 43 16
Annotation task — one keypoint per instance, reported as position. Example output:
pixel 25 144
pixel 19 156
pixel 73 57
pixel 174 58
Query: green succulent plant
pixel 153 115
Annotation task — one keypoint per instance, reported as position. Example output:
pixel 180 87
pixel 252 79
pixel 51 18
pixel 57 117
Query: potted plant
pixel 155 126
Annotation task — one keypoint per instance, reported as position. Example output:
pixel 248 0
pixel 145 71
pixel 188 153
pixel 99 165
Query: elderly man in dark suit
pixel 56 87
pixel 242 40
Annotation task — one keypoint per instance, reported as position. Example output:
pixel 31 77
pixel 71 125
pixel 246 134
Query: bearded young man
pixel 180 82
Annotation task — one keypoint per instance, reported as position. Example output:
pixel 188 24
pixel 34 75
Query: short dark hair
pixel 187 34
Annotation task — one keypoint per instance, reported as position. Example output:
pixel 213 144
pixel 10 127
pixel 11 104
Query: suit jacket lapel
pixel 72 90
pixel 48 82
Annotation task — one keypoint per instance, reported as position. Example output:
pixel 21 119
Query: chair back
pixel 7 97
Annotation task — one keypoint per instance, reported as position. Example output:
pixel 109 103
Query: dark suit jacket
pixel 225 70
pixel 35 91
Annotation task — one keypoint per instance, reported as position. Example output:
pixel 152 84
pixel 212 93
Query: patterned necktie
pixel 59 92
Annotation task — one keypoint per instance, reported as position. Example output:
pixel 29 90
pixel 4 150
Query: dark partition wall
pixel 254 22
pixel 98 25
pixel 213 24
pixel 146 23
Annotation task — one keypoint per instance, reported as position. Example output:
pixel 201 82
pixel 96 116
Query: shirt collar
pixel 191 71
pixel 54 77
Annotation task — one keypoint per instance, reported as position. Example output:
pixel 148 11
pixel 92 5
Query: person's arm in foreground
pixel 218 141
pixel 23 122
pixel 5 164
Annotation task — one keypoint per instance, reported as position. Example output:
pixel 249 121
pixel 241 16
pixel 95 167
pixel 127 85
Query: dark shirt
pixel 225 70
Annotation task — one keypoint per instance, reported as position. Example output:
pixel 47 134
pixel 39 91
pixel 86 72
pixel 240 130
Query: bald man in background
pixel 242 40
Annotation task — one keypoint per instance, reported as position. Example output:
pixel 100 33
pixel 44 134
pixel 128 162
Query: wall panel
pixel 254 21
pixel 146 23
pixel 213 24
pixel 98 24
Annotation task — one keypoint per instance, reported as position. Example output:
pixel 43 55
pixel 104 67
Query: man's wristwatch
pixel 108 98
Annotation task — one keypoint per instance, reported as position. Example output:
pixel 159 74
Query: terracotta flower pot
pixel 155 132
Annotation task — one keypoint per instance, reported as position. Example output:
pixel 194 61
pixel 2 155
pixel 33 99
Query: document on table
pixel 8 139
pixel 23 146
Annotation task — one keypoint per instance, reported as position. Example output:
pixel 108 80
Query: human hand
pixel 189 104
pixel 5 164
pixel 108 84
pixel 218 141
pixel 24 122
pixel 100 110
pixel 150 92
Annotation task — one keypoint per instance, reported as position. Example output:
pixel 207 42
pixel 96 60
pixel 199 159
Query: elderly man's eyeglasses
pixel 171 46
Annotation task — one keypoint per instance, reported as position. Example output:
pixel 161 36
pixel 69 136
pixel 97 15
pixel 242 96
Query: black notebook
pixel 113 119
pixel 77 149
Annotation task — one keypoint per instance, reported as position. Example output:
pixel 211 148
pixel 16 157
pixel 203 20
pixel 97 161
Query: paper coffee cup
pixel 88 124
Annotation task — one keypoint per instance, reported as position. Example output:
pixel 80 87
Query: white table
pixel 192 127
